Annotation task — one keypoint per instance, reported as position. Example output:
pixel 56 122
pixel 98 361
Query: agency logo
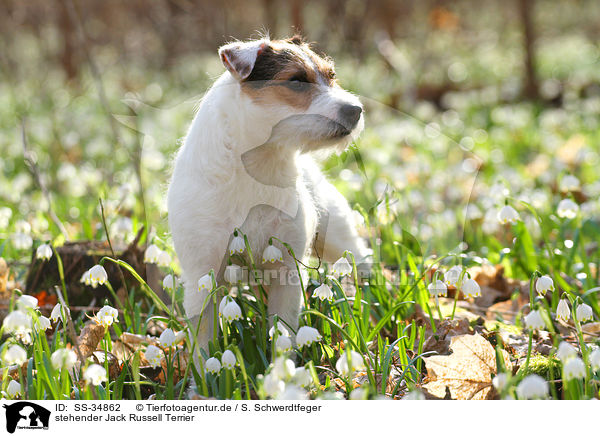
pixel 26 415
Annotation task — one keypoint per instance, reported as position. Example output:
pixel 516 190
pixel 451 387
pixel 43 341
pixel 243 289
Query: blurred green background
pixel 466 101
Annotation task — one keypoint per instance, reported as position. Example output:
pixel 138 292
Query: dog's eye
pixel 298 78
pixel 297 82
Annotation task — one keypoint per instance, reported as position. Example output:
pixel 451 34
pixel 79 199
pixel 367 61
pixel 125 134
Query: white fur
pixel 248 166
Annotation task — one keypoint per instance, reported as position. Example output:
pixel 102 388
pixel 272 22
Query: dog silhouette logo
pixel 26 415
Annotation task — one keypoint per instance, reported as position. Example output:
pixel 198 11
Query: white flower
pixel 13 389
pixel 233 274
pixel 63 359
pixel 283 344
pixel 107 315
pixel 470 288
pixel 213 365
pixel 167 338
pixel 273 386
pixel 452 276
pixel 584 313
pixel 228 359
pixel 57 313
pixel 544 284
pixel 17 322
pixel 307 335
pixel 94 374
pixel 281 330
pixel 567 208
pixel 562 310
pixel 237 245
pixel 170 282
pixel 151 254
pixel 26 302
pixel 153 355
pixel 22 241
pixel 345 367
pixel 534 320
pixel 302 377
pixel 508 214
pixel 122 226
pixel 205 283
pixel 323 292
pixel 42 323
pixel 95 276
pixel 224 301
pixel 595 359
pixel 359 394
pixel 283 368
pixel 164 259
pixel 341 267
pixel 415 395
pixel 569 183
pixel 500 381
pixel 574 368
pixel 566 351
pixel 293 393
pixel 15 355
pixel 437 288
pixel 44 252
pixel 532 386
pixel 272 254
pixel 232 311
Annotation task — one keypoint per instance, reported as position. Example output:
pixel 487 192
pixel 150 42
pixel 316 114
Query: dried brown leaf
pixel 467 372
pixel 90 337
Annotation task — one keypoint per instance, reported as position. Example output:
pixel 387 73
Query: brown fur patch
pixel 286 72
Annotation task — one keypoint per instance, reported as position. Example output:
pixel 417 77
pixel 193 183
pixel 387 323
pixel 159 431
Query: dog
pixel 247 163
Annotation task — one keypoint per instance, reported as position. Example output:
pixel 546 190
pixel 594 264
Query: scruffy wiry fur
pixel 246 163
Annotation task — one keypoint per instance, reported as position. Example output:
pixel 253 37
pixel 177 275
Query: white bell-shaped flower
pixel 15 355
pixel 205 283
pixel 470 288
pixel 43 252
pixel 323 292
pixel 508 215
pixel 341 267
pixel 566 351
pixel 307 335
pixel 272 254
pixel 151 254
pixel 544 284
pixel 347 365
pixel 437 288
pixel 153 355
pixel 584 313
pixel 63 358
pixel 233 274
pixel 237 245
pixel 228 360
pixel 232 311
pixel 94 374
pixel 574 368
pixel 562 310
pixel 532 387
pixel 167 338
pixel 567 208
pixel 213 365
pixel 534 320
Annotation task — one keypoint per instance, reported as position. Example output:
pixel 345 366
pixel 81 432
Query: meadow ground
pixel 482 209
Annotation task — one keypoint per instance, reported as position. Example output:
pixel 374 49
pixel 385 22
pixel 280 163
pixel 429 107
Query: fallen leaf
pixel 88 340
pixel 467 372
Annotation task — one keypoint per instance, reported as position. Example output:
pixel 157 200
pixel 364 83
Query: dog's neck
pixel 272 164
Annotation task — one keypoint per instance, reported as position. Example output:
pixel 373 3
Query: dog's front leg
pixel 285 298
pixel 205 330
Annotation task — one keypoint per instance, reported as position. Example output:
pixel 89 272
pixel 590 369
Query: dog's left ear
pixel 239 57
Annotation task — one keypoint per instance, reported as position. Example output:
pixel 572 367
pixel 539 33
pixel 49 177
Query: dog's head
pixel 293 91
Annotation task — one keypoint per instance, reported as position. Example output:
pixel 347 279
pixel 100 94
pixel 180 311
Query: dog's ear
pixel 239 57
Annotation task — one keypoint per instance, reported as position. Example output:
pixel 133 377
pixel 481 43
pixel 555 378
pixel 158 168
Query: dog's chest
pixel 265 221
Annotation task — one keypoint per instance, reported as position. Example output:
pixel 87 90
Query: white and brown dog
pixel 246 163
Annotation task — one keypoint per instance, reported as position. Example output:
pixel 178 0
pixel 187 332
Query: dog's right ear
pixel 239 57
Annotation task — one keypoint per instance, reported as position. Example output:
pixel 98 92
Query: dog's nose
pixel 350 114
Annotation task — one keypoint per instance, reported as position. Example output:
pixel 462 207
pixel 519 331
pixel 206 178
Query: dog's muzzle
pixel 349 116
